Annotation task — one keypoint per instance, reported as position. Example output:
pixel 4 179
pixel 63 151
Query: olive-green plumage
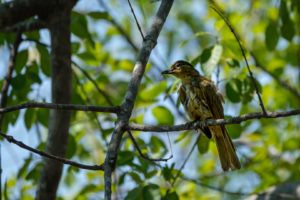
pixel 201 100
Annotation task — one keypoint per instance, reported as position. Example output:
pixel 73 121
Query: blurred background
pixel 106 42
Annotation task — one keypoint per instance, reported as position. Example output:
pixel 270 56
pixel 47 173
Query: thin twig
pixel 42 153
pixel 182 166
pixel 95 84
pixel 137 23
pixel 146 157
pixel 90 102
pixel 114 109
pixel 251 74
pixel 218 74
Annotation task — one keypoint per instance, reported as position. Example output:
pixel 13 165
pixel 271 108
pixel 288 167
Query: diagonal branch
pixel 131 93
pixel 182 166
pixel 95 84
pixel 251 74
pixel 195 125
pixel 42 153
pixel 146 157
pixel 137 23
pixel 56 106
pixel 259 65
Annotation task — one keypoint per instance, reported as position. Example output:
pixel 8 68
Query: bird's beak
pixel 169 71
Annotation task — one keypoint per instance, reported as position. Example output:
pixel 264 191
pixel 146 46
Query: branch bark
pixel 61 74
pixel 15 11
pixel 57 106
pixel 195 125
pixel 129 99
pixel 59 159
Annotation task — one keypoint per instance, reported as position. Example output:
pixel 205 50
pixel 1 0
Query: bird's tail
pixel 226 149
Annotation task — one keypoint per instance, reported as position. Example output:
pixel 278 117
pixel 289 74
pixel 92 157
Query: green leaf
pixel 70 178
pixel 172 88
pixel 163 116
pixel 153 91
pixel 151 192
pixel 35 35
pixel 203 145
pixel 125 158
pixel 100 15
pixel 21 60
pixel 156 144
pixel 272 36
pixel 233 90
pixel 71 147
pixel 135 193
pixel 195 35
pixel 18 82
pixel 43 116
pixel 91 188
pixel 75 47
pixel 135 177
pixel 29 117
pixel 167 172
pixel 208 65
pixel 44 60
pixel 34 77
pixel 234 130
pixel 172 196
pixel 34 174
pixel 234 64
pixel 181 136
pixel 288 30
pixel 25 166
pixel 79 27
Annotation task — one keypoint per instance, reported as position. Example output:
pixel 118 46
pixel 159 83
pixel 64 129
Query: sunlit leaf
pixel 163 116
pixel 209 60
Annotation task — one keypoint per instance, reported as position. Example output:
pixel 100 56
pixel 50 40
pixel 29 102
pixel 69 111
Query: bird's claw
pixel 203 123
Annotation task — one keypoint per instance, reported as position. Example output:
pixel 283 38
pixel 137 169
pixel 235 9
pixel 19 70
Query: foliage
pixel 268 148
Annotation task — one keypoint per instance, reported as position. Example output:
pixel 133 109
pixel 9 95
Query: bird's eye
pixel 177 65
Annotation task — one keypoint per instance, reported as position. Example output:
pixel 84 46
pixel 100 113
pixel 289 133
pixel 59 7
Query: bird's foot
pixel 190 124
pixel 203 123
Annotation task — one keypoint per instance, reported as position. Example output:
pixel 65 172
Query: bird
pixel 202 101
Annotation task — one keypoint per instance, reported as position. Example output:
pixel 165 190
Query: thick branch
pixel 195 125
pixel 57 106
pixel 26 26
pixel 42 153
pixel 15 11
pixel 131 93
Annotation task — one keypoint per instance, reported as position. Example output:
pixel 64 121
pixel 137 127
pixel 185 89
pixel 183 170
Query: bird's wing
pixel 213 98
pixel 182 94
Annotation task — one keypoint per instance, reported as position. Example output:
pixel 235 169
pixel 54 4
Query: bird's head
pixel 181 69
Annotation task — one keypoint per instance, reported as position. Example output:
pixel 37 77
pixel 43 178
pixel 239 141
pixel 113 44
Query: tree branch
pixel 195 125
pixel 26 26
pixel 131 93
pixel 42 153
pixel 95 84
pixel 251 74
pixel 57 106
pixel 137 23
pixel 15 11
pixel 146 157
pixel 183 164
